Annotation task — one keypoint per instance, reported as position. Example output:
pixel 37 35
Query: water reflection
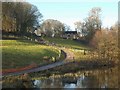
pixel 87 79
pixel 71 85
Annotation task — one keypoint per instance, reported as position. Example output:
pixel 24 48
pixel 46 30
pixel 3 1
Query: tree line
pixel 90 25
pixel 52 28
pixel 19 18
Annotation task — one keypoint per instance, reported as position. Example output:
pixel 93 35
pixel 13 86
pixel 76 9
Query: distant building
pixel 66 34
pixel 70 35
pixel 39 32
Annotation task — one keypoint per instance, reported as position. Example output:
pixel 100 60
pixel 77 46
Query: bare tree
pixel 93 22
pixel 53 28
pixel 106 43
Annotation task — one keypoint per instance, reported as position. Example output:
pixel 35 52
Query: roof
pixel 70 32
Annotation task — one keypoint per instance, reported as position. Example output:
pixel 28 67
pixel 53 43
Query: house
pixel 70 35
pixel 39 32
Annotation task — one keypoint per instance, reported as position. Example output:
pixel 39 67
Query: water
pixel 105 78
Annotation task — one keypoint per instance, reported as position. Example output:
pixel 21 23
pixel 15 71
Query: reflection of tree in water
pixel 105 78
pixel 46 83
pixel 99 79
pixel 51 83
pixel 87 82
pixel 69 80
pixel 22 81
pixel 113 78
pixel 56 83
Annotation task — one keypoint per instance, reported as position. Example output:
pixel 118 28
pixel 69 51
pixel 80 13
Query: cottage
pixel 70 35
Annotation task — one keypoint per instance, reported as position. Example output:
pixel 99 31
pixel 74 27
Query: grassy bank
pixel 19 53
pixel 67 43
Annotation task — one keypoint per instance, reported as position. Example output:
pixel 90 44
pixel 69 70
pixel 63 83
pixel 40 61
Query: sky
pixel 70 11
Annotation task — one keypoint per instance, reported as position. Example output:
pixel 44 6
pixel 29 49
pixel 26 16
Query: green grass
pixel 19 53
pixel 67 43
pixel 17 42
pixel 73 46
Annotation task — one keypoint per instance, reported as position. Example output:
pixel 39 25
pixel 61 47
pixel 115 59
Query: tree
pixel 80 28
pixel 52 28
pixel 93 22
pixel 19 17
pixel 27 16
pixel 106 43
pixel 67 27
pixel 7 16
pixel 90 25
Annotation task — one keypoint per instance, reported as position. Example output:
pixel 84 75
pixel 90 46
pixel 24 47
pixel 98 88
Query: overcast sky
pixel 70 11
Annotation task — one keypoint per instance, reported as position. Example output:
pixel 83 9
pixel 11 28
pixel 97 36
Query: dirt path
pixel 68 59
pixel 69 54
